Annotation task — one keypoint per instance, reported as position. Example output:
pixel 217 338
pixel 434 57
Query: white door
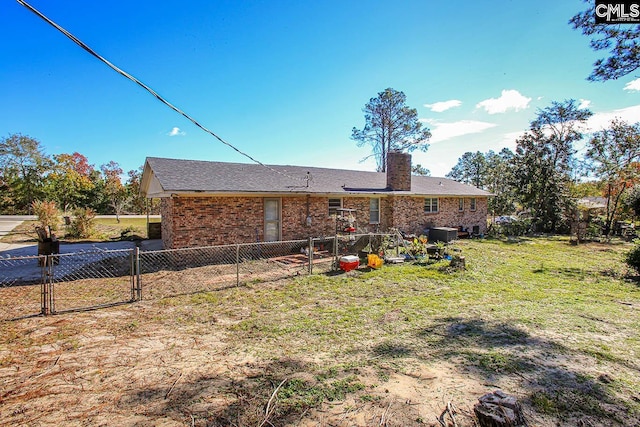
pixel 271 220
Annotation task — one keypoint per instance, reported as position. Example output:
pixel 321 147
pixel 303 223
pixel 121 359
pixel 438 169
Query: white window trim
pixel 378 221
pixel 473 204
pixel 461 204
pixel 431 205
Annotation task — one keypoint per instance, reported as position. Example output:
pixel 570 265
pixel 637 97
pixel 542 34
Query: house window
pixel 334 205
pixel 472 204
pixel 461 204
pixel 272 214
pixel 374 211
pixel 431 205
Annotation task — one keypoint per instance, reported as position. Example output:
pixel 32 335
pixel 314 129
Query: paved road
pixel 9 222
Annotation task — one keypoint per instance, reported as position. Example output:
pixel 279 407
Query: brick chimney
pixel 398 171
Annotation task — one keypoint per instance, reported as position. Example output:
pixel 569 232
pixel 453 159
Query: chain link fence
pixel 91 279
pixel 180 271
pixel 87 280
pixel 21 287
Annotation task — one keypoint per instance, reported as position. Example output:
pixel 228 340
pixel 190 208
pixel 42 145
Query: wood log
pixel 498 409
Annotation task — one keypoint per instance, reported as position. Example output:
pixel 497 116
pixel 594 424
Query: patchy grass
pixel 553 324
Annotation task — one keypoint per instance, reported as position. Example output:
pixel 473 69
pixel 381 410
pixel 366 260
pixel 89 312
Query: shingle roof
pixel 196 176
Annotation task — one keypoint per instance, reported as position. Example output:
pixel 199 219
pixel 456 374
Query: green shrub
pixel 518 227
pixel 632 258
pixel 82 223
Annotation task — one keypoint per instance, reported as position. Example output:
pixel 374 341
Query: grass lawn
pixel 557 326
pixel 104 230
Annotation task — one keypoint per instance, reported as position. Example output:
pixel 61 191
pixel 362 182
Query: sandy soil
pixel 105 368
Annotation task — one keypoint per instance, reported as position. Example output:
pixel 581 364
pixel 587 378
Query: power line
pixel 145 87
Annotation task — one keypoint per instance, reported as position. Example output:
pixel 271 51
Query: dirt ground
pixel 107 367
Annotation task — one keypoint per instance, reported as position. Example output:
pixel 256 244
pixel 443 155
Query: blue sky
pixel 286 81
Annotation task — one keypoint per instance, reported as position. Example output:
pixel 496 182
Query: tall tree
pixel 488 171
pixel 137 202
pixel 23 167
pixel 499 182
pixel 622 42
pixel 472 168
pixel 615 153
pixel 70 181
pixel 544 160
pixel 115 192
pixel 390 125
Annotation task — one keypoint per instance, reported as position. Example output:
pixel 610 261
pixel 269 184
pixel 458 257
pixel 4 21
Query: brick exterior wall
pixel 167 221
pixel 205 221
pixel 409 216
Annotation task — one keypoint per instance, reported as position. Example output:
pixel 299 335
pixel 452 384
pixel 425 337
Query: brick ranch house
pixel 211 203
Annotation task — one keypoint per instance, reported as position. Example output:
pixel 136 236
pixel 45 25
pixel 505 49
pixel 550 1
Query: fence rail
pixel 35 285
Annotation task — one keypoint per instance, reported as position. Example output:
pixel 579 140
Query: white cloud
pixel 584 103
pixel 509 100
pixel 176 132
pixel 633 85
pixel 509 140
pixel 443 131
pixel 439 107
pixel 602 120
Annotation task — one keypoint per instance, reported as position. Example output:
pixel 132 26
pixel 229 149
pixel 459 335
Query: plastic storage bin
pixel 349 262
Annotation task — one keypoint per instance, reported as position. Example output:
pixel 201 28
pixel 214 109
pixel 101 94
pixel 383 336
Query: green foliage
pixel 23 167
pixel 390 125
pixel 614 154
pixel 542 165
pixel 70 180
pixel 114 191
pixel 489 171
pixel 417 247
pixel 420 170
pixel 632 200
pixel 48 214
pixel 518 227
pixel 28 174
pixel 632 258
pixel 82 223
pixel 620 40
pixel 472 168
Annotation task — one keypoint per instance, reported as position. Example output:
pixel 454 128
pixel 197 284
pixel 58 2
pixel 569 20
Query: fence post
pixel 44 290
pixel 138 276
pixel 310 243
pixel 50 279
pixel 238 264
pixel 132 273
pixel 135 274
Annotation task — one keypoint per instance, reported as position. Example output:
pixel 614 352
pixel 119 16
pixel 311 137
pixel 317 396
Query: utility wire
pixel 145 87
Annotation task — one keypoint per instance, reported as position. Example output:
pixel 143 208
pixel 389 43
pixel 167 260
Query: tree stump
pixel 458 262
pixel 498 409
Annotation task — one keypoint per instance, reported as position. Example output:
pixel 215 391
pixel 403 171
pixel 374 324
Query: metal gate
pixel 88 280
